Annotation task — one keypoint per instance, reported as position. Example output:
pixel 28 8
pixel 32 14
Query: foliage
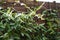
pixel 52 23
pixel 14 26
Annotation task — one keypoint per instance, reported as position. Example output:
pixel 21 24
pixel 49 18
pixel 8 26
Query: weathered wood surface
pixel 18 7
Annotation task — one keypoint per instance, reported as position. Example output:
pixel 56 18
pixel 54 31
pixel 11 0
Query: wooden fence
pixel 18 7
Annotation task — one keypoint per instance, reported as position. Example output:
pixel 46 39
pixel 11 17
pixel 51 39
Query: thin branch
pixel 40 6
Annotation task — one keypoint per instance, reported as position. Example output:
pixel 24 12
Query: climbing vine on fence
pixel 14 26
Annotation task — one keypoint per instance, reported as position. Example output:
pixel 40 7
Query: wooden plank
pixel 9 0
pixel 20 8
pixel 25 1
